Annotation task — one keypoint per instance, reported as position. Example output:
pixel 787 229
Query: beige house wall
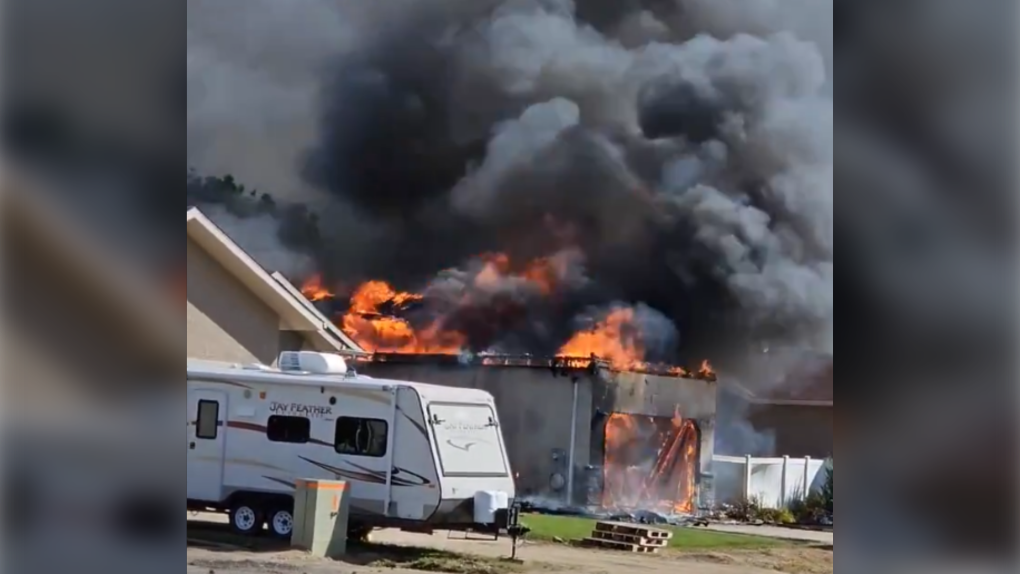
pixel 226 322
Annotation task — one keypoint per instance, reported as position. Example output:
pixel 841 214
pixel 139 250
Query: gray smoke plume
pixel 683 149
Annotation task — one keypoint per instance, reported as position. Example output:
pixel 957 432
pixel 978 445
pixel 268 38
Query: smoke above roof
pixel 682 151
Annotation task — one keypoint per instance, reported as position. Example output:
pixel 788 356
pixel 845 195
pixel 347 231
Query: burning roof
pixel 656 198
pixel 394 324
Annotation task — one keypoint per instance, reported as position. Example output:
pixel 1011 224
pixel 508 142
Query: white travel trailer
pixel 415 456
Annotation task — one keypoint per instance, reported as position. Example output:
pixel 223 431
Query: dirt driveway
pixel 537 559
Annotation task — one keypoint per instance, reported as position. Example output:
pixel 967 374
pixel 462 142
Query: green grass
pixel 573 529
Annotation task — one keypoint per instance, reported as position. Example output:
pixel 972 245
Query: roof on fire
pixel 95 266
pixel 294 309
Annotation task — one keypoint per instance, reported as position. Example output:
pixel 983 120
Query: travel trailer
pixel 415 456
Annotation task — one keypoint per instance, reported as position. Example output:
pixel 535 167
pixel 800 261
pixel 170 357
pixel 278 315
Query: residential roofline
pixel 327 325
pixel 295 310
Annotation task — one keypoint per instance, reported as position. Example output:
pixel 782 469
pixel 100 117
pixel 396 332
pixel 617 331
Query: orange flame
pixel 670 484
pixel 314 290
pixel 618 340
pixel 543 273
pixel 375 331
pixel 386 334
pixel 372 295
pixel 614 339
pixel 370 319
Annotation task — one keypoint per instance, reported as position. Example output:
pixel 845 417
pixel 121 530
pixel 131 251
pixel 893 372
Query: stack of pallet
pixel 628 537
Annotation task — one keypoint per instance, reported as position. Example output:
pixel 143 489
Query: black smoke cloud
pixel 692 172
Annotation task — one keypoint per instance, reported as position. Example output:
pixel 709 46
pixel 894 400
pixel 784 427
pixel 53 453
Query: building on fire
pixel 584 432
pixel 239 312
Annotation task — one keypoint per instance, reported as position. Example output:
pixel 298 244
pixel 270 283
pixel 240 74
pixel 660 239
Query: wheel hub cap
pixel 283 522
pixel 244 518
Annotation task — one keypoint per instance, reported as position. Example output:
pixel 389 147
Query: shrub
pixel 746 510
pixel 752 510
pixel 777 516
pixel 809 510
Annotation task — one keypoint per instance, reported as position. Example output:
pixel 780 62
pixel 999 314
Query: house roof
pixel 94 265
pixel 809 386
pixel 329 325
pixel 295 311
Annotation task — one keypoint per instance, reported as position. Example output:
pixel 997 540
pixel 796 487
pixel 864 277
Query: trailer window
pixel 208 423
pixel 296 430
pixel 361 437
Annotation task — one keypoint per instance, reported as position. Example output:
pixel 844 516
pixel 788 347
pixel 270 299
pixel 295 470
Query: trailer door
pixel 468 439
pixel 206 444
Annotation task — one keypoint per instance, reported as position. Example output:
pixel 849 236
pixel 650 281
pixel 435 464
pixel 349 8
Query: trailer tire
pixel 281 522
pixel 246 518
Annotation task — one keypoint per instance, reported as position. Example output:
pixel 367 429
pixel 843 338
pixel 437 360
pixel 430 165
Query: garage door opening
pixel 651 463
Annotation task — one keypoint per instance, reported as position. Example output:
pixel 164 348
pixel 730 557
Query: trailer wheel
pixel 281 523
pixel 246 518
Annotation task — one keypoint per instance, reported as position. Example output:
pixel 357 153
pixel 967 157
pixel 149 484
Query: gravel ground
pixel 536 558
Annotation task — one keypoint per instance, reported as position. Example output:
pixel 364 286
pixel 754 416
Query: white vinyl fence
pixel 775 482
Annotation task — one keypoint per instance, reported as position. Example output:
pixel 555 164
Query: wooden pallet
pixel 630 539
pixel 633 530
pixel 622 546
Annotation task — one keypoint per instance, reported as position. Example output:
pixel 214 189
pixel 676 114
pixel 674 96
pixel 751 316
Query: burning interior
pixel 482 317
pixel 650 463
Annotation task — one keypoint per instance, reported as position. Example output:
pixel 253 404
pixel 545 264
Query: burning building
pixel 582 431
pixel 589 423
pixel 494 193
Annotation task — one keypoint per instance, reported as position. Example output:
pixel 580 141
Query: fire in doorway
pixel 650 463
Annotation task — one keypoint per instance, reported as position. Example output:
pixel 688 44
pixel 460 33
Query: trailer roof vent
pixel 310 362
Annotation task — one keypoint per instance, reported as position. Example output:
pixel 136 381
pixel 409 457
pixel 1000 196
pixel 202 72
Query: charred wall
pixel 535 403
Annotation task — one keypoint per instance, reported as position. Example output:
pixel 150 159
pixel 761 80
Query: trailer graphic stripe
pixel 398 476
pixel 372 476
pixel 424 432
pixel 286 483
